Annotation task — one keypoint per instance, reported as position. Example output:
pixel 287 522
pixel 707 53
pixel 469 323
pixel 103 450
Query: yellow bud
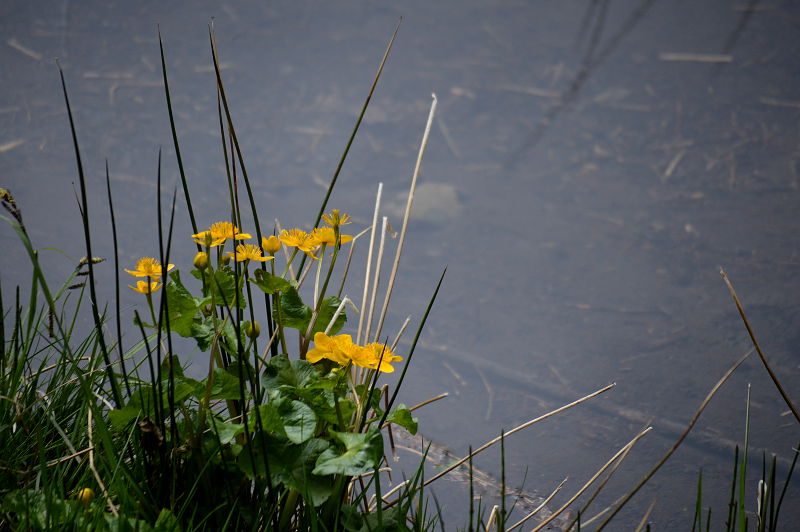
pixel 253 330
pixel 201 260
pixel 271 244
pixel 85 496
pixel 225 260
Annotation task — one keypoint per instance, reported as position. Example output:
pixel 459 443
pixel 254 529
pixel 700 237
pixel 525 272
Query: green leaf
pixel 227 431
pixel 294 313
pixel 299 421
pixel 323 402
pixel 121 418
pixel 362 453
pixel 224 385
pixel 401 415
pixel 183 307
pixel 251 459
pixel 297 315
pixel 282 373
pixel 223 287
pixel 176 365
pixel 270 283
pixel 203 333
pixel 293 419
pixel 184 387
pixel 299 476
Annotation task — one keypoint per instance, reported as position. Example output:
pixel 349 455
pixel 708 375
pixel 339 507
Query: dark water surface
pixel 593 165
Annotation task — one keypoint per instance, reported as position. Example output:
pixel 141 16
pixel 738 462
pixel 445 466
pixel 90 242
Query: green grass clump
pixel 275 436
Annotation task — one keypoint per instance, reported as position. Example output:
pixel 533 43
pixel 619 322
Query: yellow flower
pixel 335 348
pixel 248 252
pixel 218 233
pixel 297 238
pixel 85 496
pixel 342 350
pixel 148 267
pixel 145 287
pixel 327 236
pixel 370 355
pixel 334 219
pixel 271 244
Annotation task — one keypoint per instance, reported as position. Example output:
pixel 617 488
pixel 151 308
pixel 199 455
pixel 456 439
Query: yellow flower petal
pixel 335 218
pixel 335 348
pixel 248 252
pixel 218 233
pixel 327 236
pixel 143 287
pixel 299 239
pixel 148 267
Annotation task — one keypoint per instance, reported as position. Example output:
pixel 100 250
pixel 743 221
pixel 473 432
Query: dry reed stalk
pixel 512 431
pixel 369 261
pixel 609 463
pixel 409 203
pixel 758 347
pixel 678 442
pixel 646 516
pixel 400 333
pixel 539 508
pixel 376 280
pixel 597 492
pixel 338 312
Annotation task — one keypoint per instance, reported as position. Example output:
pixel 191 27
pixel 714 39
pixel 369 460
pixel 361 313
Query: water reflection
pixel 593 165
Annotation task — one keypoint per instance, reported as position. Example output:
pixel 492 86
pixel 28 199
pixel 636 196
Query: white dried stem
pixel 409 203
pixel 376 281
pixel 369 259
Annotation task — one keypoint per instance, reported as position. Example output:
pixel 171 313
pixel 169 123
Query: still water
pixel 592 166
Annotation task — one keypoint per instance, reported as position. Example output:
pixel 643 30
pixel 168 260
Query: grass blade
pixel 175 137
pixel 763 358
pixel 87 237
pixel 116 285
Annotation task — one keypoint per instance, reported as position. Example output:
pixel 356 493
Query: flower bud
pixel 85 496
pixel 253 330
pixel 201 260
pixel 225 260
pixel 271 244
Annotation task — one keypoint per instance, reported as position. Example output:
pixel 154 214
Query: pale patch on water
pixel 433 203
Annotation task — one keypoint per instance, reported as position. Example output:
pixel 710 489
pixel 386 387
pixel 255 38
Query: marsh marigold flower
pixel 297 238
pixel 335 218
pixel 146 287
pixel 327 236
pixel 371 355
pixel 148 267
pixel 271 244
pixel 336 348
pixel 342 350
pixel 248 252
pixel 218 233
